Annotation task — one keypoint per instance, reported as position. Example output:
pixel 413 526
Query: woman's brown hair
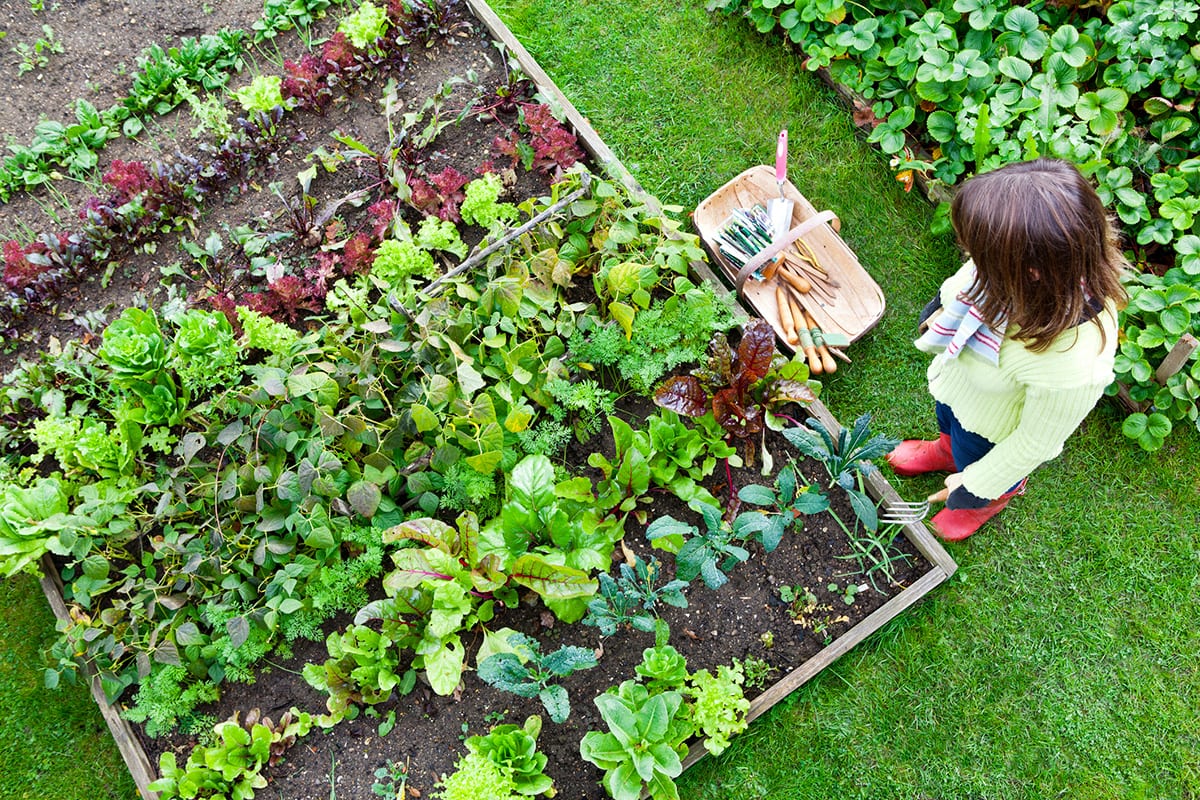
pixel 1037 233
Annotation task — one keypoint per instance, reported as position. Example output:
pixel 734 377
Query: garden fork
pixel 901 512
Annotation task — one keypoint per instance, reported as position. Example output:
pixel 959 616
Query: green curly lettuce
pixel 365 26
pixel 480 206
pixel 718 706
pixel 476 777
pixel 204 352
pixel 260 331
pixel 261 94
pixel 441 234
pixel 399 260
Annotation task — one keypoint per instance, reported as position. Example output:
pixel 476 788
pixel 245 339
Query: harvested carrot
pixel 827 362
pixel 771 268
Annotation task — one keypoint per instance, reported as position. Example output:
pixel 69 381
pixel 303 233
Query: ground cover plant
pixel 310 452
pixel 923 678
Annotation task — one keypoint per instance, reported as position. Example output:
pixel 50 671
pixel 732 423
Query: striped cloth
pixel 957 327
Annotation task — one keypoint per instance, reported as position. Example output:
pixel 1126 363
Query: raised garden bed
pixel 746 619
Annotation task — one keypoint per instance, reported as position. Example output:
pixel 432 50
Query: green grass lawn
pixel 1060 661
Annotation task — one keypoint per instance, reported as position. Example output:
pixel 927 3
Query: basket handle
pixel 777 247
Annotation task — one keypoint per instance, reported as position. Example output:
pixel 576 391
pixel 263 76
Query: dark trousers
pixel 966 447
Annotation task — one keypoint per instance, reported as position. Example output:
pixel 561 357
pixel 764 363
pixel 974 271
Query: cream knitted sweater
pixel 1031 402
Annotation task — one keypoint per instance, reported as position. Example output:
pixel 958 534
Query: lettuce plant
pixel 365 26
pixel 645 742
pixel 513 748
pixel 440 234
pixel 480 206
pixel 204 352
pixel 30 520
pixel 718 707
pixel 363 666
pixel 133 347
pixel 263 93
pixel 662 669
pixel 398 261
pixel 477 777
pixel 232 766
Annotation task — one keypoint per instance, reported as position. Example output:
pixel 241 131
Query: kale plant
pixel 630 600
pixel 526 672
pixel 846 458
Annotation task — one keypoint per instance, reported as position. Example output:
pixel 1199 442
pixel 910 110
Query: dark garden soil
pixel 746 619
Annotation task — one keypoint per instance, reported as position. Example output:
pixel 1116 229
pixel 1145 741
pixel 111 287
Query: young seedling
pixel 710 553
pixel 874 555
pixel 849 592
pixel 787 502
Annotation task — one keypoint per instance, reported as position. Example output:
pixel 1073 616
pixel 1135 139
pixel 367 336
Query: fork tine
pixel 903 513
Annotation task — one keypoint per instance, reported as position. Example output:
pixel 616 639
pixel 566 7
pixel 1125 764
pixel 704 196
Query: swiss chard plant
pixel 738 387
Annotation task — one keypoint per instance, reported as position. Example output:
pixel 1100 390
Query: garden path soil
pixel 716 627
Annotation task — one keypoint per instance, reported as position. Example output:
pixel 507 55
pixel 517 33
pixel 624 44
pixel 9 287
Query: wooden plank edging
pixel 131 749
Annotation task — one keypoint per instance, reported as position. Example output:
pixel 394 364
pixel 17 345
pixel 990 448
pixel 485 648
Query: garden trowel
pixel 779 209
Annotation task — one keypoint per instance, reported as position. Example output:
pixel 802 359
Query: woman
pixel 1025 335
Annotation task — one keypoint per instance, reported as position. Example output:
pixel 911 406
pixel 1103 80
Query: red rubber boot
pixel 917 457
pixel 956 524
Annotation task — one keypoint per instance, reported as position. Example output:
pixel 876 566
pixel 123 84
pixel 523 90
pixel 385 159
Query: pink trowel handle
pixel 781 159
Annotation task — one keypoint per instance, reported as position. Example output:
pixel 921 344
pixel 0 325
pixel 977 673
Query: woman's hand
pixel 953 481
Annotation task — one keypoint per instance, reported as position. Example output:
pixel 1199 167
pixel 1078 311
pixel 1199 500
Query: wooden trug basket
pixel 858 301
